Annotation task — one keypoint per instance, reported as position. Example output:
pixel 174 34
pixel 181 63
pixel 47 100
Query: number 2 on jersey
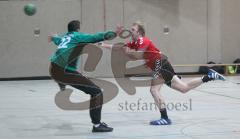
pixel 65 40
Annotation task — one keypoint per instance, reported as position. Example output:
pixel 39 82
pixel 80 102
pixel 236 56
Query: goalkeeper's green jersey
pixel 69 47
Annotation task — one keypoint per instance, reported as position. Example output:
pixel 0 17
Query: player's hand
pixel 51 36
pixel 119 29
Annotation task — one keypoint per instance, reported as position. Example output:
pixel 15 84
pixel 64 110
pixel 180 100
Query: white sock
pixel 96 125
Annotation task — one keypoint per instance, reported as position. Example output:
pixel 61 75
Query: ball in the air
pixel 30 9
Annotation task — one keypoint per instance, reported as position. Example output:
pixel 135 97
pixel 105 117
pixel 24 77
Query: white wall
pixel 21 53
pixel 200 30
pixel 230 30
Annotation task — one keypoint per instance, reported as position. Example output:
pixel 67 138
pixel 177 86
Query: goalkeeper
pixel 63 67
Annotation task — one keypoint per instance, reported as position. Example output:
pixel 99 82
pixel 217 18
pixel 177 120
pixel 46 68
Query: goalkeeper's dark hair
pixel 73 25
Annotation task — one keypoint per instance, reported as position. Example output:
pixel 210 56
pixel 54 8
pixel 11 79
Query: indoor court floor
pixel 211 111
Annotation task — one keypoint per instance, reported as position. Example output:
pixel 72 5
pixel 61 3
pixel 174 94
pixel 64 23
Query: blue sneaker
pixel 161 122
pixel 215 75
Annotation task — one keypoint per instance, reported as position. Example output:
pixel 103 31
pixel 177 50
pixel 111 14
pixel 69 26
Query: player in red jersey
pixel 141 47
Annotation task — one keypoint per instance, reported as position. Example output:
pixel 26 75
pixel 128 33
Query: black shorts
pixel 163 69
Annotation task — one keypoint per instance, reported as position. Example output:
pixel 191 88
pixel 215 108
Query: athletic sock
pixel 164 113
pixel 96 125
pixel 206 79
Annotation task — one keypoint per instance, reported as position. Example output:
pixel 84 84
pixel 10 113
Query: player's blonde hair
pixel 141 28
